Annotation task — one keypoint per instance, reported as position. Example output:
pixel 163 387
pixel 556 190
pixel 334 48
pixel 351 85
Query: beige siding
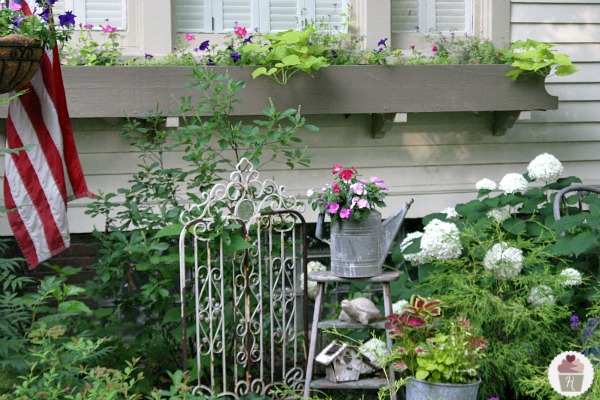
pixel 435 158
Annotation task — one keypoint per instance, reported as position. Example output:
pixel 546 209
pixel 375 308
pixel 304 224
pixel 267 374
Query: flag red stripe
pixel 35 191
pixel 38 182
pixel 21 235
pixel 31 105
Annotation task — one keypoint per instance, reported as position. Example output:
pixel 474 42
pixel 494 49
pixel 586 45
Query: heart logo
pixel 570 358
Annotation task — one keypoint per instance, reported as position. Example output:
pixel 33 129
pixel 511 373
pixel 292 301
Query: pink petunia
pixel 347 174
pixel 190 37
pixel 336 168
pixel 434 48
pixel 88 26
pixel 345 213
pixel 240 31
pixel 335 187
pixel 109 29
pixel 15 6
pixel 333 208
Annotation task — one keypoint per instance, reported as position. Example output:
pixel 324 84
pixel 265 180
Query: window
pixel 219 16
pixel 411 19
pixel 96 12
pixel 432 16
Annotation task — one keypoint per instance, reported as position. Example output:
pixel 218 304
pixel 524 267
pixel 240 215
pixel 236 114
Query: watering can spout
pixel 389 230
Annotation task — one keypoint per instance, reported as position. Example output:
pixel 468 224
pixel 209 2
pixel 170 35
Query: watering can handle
pixel 319 229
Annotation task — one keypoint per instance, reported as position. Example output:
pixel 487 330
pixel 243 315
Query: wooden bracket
pixel 502 121
pixel 382 123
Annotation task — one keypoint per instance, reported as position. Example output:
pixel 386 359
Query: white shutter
pixel 190 16
pixel 330 12
pixel 236 12
pixel 96 12
pixel 283 15
pixel 450 15
pixel 431 16
pixel 405 15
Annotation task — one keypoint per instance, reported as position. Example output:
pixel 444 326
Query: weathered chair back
pixel 242 258
pixel 561 203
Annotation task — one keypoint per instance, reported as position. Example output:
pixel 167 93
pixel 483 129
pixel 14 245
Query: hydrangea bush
pixel 508 266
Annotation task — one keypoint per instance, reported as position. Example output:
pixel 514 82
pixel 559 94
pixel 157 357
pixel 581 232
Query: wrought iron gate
pixel 243 274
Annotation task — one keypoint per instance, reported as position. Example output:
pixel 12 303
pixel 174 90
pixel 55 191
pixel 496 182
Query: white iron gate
pixel 243 276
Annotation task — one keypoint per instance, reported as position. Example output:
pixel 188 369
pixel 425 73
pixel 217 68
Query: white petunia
pixel 504 261
pixel 513 183
pixel 310 192
pixel 399 307
pixel 545 167
pixel 413 258
pixel 571 277
pixel 441 241
pixel 541 295
pixel 486 184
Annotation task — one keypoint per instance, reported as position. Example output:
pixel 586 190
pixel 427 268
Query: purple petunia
pixel 203 45
pixel 148 56
pixel 248 39
pixel 382 42
pixel 68 18
pixel 45 14
pixel 235 56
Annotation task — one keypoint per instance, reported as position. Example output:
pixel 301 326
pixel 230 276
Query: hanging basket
pixel 20 58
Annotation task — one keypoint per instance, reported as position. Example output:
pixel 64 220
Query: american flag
pixel 39 182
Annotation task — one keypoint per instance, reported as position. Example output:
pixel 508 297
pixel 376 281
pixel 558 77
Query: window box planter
pixel 381 91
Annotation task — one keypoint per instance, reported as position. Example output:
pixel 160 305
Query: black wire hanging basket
pixel 20 58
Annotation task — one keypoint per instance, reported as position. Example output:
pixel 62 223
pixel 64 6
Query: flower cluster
pixel 513 183
pixel 504 261
pixel 571 277
pixel 486 184
pixel 348 197
pixel 541 295
pixel 312 266
pixel 441 241
pixel 545 167
pixel 42 25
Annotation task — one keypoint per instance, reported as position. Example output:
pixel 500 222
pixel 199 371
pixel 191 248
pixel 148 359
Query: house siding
pixel 435 158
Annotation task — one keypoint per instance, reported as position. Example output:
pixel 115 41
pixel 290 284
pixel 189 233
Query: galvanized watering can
pixel 359 248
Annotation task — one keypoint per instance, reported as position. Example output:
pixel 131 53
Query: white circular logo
pixel 571 373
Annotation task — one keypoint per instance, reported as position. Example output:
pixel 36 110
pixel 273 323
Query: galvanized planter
pixel 355 247
pixel 422 390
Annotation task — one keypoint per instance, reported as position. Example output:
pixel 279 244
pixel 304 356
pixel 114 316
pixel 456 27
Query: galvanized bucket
pixel 355 247
pixel 422 390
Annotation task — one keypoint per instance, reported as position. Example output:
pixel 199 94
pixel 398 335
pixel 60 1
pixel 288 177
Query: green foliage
pixel 48 32
pixel 533 57
pixel 137 275
pixel 286 53
pixel 522 303
pixel 89 52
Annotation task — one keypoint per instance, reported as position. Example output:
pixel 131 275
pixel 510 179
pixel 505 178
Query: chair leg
pixel 313 339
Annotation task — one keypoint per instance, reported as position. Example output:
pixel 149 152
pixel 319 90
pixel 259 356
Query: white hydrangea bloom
pixel 545 167
pixel 312 286
pixel 571 277
pixel 451 213
pixel 414 258
pixel 486 184
pixel 541 295
pixel 375 350
pixel 513 183
pixel 441 241
pixel 399 307
pixel 504 261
